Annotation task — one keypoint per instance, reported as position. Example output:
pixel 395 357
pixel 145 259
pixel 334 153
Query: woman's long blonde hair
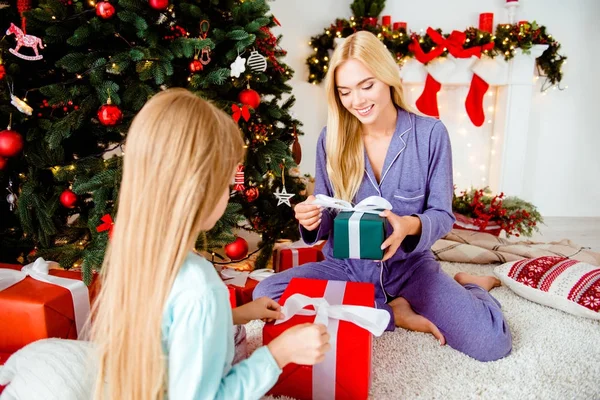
pixel 344 145
pixel 180 156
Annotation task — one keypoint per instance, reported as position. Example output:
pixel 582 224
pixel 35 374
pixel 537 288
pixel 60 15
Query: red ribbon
pixel 107 225
pixel 454 44
pixel 240 112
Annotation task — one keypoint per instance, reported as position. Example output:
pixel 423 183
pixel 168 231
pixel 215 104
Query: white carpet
pixel 555 356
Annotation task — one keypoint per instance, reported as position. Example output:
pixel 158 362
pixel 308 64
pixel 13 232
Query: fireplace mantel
pixel 513 81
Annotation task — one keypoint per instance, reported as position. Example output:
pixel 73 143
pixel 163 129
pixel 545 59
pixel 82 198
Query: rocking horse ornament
pixel 25 40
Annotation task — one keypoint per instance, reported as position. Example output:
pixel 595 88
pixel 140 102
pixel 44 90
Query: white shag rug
pixel 555 356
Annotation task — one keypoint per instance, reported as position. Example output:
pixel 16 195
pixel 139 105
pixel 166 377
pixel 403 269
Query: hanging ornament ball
pixel 2 72
pixel 159 4
pixel 249 97
pixel 68 199
pixel 196 66
pixel 237 249
pixel 105 10
pixel 3 162
pixel 257 62
pixel 11 143
pixel 109 114
pixel 251 194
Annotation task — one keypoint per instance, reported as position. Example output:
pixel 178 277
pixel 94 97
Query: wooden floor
pixel 584 231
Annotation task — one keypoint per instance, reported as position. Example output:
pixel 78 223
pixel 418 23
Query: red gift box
pixel 31 310
pixel 351 376
pixel 232 298
pixel 285 258
pixel 243 295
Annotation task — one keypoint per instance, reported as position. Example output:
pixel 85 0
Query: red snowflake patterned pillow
pixel 568 285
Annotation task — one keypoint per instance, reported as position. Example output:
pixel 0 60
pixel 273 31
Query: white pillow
pixel 49 369
pixel 558 282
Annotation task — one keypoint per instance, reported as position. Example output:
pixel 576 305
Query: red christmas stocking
pixel 427 102
pixel 474 101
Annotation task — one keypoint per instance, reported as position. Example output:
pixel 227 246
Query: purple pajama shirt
pixel 417 180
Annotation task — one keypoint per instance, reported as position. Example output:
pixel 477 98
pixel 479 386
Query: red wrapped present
pixel 232 298
pixel 243 295
pixel 286 256
pixel 347 310
pixel 243 282
pixel 40 303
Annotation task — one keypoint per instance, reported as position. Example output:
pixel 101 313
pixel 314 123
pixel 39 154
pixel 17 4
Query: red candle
pixel 399 25
pixel 386 20
pixel 486 22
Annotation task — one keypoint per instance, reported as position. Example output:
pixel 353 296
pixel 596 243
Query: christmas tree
pixel 75 74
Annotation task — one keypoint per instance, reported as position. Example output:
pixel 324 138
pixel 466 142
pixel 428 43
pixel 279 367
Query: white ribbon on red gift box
pixel 329 311
pixel 370 205
pixel 238 278
pixel 293 247
pixel 38 270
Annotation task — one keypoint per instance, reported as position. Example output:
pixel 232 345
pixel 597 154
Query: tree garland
pixel 506 40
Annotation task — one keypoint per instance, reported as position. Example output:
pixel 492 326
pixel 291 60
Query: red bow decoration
pixel 107 225
pixel 454 44
pixel 240 112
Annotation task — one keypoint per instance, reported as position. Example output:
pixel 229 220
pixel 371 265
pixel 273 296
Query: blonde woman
pixel 373 145
pixel 164 326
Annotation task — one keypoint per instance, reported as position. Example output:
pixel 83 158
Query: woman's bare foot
pixel 406 318
pixel 486 282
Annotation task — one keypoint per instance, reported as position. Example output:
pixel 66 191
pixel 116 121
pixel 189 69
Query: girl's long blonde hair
pixel 344 145
pixel 180 156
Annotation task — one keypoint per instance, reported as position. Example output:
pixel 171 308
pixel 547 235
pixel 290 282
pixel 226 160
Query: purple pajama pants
pixel 468 316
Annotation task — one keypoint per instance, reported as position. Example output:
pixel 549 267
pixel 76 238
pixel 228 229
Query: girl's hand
pixel 403 226
pixel 304 344
pixel 264 308
pixel 307 214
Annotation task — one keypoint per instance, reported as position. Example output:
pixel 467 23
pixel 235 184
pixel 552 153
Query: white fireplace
pixel 494 154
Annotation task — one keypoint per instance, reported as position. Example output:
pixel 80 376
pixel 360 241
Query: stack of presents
pixel 38 302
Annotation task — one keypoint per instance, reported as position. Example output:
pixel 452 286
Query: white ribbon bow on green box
pixel 358 231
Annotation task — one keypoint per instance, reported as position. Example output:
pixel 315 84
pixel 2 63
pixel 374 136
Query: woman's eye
pixel 368 87
pixel 344 93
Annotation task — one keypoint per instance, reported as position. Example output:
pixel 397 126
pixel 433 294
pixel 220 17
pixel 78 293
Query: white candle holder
pixel 512 10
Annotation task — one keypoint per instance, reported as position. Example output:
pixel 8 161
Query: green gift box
pixel 358 235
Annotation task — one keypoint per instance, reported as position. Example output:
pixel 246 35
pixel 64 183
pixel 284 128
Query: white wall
pixel 563 166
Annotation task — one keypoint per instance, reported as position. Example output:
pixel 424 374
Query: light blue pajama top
pixel 197 338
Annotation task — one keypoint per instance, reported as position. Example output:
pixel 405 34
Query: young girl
pixel 163 321
pixel 373 145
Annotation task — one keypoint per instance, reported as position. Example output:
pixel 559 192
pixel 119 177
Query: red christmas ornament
pixel 68 199
pixel 239 179
pixel 2 72
pixel 109 114
pixel 249 97
pixel 3 162
pixel 196 66
pixel 237 249
pixel 11 143
pixel 105 10
pixel 251 194
pixel 159 4
pixel 256 222
pixel 296 149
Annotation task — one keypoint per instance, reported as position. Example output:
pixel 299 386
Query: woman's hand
pixel 308 214
pixel 402 226
pixel 264 308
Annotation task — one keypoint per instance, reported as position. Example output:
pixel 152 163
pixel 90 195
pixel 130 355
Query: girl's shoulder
pixel 197 274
